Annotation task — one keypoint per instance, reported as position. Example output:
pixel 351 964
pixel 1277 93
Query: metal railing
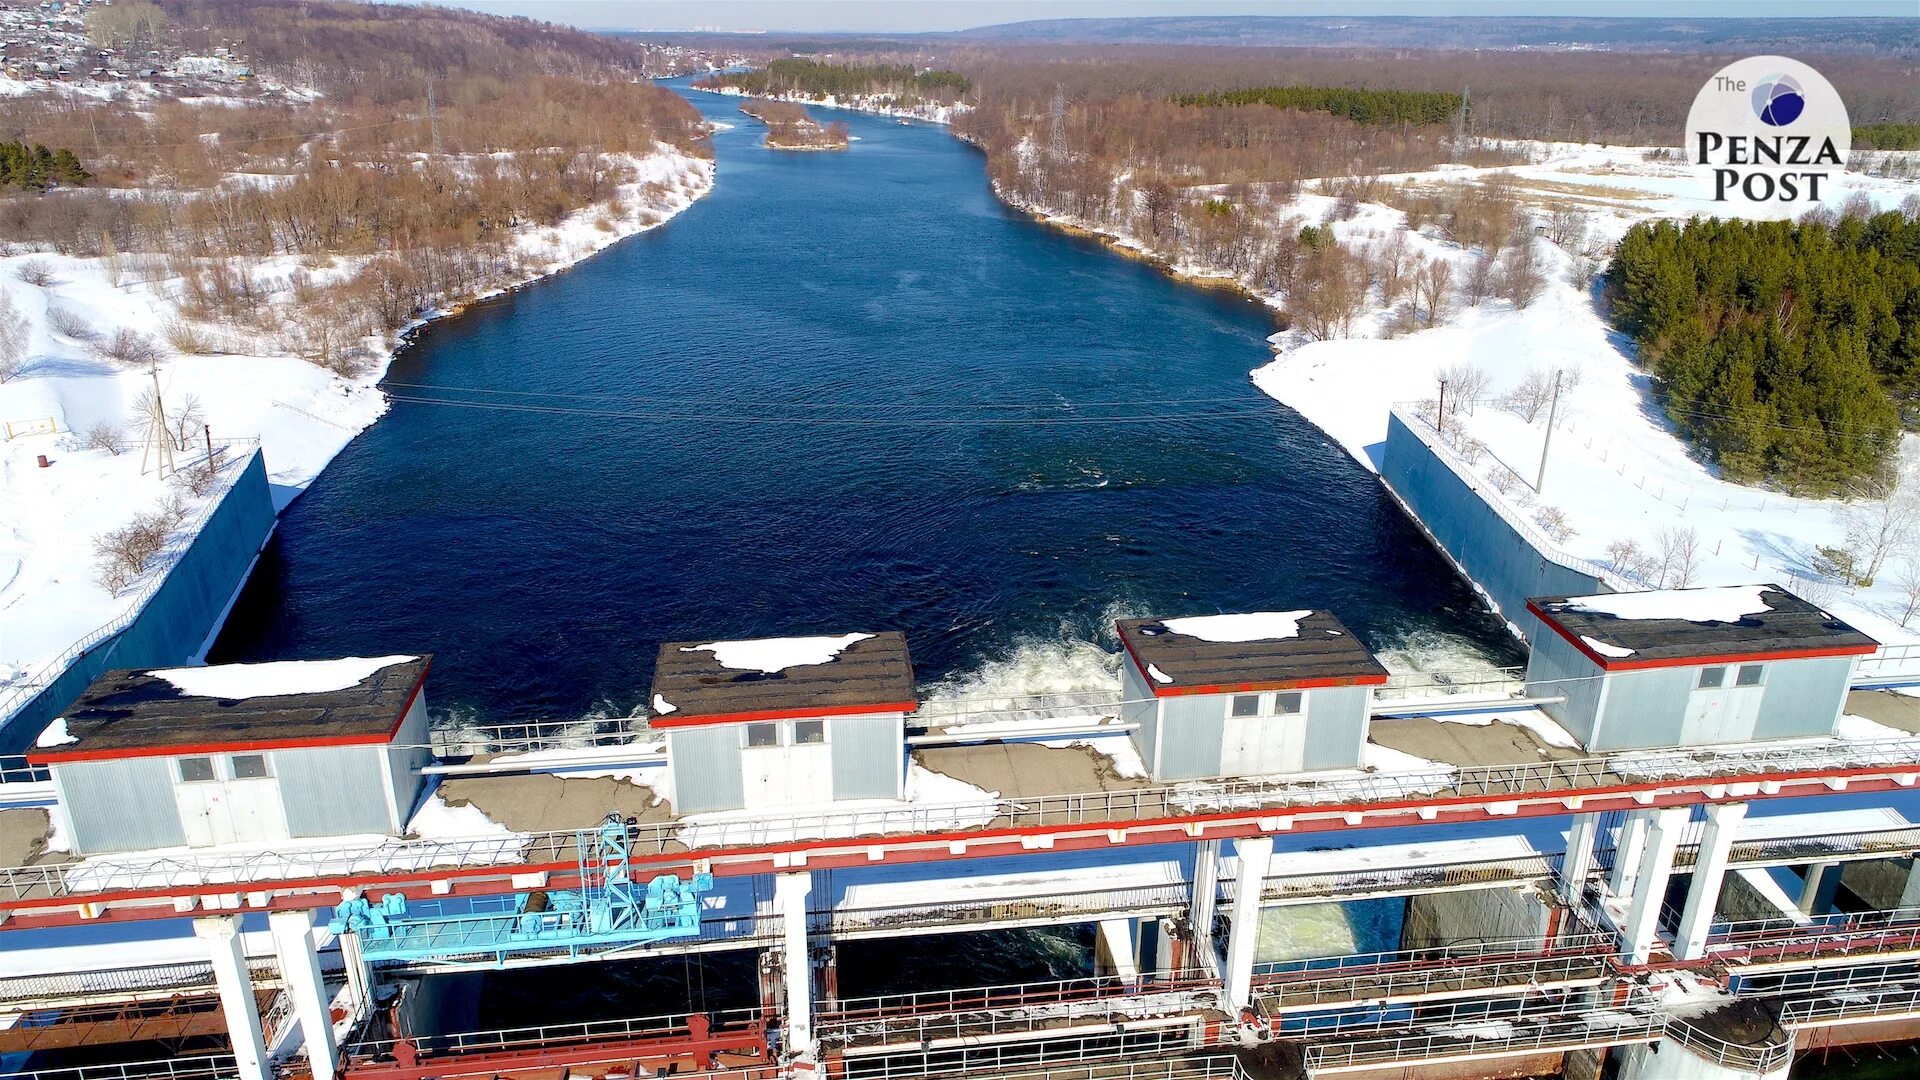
pixel 14 769
pixel 1487 872
pixel 1525 962
pixel 469 740
pixel 1047 1058
pixel 1853 1005
pixel 557 1036
pixel 1444 683
pixel 157 978
pixel 1818 937
pixel 1054 906
pixel 1490 1035
pixel 1012 1008
pixel 1175 802
pixel 1823 980
pixel 1889 662
pixel 1756 1058
pixel 204 1067
pixel 15 697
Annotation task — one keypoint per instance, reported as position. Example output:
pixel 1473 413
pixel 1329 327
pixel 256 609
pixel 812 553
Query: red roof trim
pixel 52 757
pixel 670 720
pixel 1626 663
pixel 1166 690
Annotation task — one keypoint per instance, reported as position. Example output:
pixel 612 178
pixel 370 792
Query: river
pixel 845 391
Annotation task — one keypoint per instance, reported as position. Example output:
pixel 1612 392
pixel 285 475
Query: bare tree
pixel 1467 383
pixel 1679 557
pixel 13 338
pixel 105 435
pixel 1907 577
pixel 1433 289
pixel 1567 228
pixel 1878 529
pixel 1478 285
pixel 123 554
pixel 1517 277
pixel 1536 389
pixel 1631 563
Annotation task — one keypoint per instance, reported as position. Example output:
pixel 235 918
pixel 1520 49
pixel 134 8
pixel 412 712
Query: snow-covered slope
pixel 303 414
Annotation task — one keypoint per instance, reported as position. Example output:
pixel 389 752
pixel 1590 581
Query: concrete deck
pixel 1886 707
pixel 24 832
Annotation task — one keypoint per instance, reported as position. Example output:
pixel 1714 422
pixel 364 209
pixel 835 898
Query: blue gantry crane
pixel 609 911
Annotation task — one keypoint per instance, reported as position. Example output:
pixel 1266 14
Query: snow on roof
pixel 1605 649
pixel 663 706
pixel 1726 603
pixel 56 734
pixel 1251 626
pixel 237 682
pixel 770 655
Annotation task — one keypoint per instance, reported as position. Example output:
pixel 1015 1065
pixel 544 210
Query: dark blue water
pixel 811 372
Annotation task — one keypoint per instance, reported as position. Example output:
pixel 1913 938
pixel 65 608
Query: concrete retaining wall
pixel 181 613
pixel 1504 565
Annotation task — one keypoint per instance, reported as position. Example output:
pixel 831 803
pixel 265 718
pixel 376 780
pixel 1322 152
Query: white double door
pixel 214 812
pixel 786 775
pixel 1263 745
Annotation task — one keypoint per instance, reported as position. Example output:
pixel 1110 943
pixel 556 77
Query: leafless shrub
pixel 1536 389
pixel 1567 228
pixel 105 435
pixel 1404 320
pixel 70 324
pixel 1907 577
pixel 1433 289
pixel 13 338
pixel 1478 286
pixel 1627 560
pixel 129 348
pixel 122 555
pixel 1517 276
pixel 1879 529
pixel 185 338
pixel 197 480
pixel 36 272
pixel 1813 589
pixel 1504 481
pixel 1554 523
pixel 1466 384
pixel 1679 558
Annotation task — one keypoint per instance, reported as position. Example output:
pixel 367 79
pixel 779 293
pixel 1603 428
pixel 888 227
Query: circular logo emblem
pixel 1778 101
pixel 1768 137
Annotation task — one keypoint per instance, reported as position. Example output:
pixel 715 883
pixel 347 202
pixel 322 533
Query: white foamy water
pixel 1067 674
pixel 1306 931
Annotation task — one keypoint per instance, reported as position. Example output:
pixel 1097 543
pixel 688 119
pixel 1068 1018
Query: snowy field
pixel 1617 472
pixel 49 593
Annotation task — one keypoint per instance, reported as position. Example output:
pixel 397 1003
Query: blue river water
pixel 843 392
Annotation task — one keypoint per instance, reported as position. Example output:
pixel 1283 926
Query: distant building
pixel 1692 667
pixel 784 721
pixel 1246 695
pixel 199 757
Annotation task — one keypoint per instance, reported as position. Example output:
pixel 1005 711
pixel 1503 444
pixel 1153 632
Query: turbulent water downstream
pixel 845 391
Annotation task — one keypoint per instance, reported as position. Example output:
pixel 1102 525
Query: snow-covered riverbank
pixel 878 104
pixel 50 595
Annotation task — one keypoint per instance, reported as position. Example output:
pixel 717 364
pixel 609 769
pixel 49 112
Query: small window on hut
pixel 1288 704
pixel 249 766
pixel 1712 678
pixel 1748 675
pixel 809 732
pixel 763 734
pixel 195 770
pixel 1246 705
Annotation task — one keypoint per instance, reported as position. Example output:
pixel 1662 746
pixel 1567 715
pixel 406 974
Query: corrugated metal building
pixel 784 721
pixel 1692 667
pixel 200 757
pixel 1246 695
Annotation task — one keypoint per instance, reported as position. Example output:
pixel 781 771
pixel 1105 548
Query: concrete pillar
pixel 1113 951
pixel 1910 896
pixel 790 892
pixel 1204 901
pixel 1243 937
pixel 300 969
pixel 1822 883
pixel 1582 829
pixel 1627 850
pixel 1650 882
pixel 222 935
pixel 359 975
pixel 1709 875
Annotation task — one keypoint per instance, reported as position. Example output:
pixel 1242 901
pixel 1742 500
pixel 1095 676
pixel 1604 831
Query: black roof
pixel 1789 625
pixel 138 711
pixel 869 675
pixel 1322 653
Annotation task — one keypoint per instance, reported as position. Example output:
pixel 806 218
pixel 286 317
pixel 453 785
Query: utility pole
pixel 1460 123
pixel 1440 415
pixel 1553 413
pixel 159 448
pixel 207 430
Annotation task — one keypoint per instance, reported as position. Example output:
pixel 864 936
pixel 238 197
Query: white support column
pixel 1709 874
pixel 300 968
pixel 1650 882
pixel 222 935
pixel 1578 862
pixel 1627 850
pixel 790 892
pixel 1910 896
pixel 1202 905
pixel 1818 883
pixel 1243 937
pixel 1115 952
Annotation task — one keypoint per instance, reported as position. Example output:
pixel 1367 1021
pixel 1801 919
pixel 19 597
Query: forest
pixel 790 127
pixel 1789 352
pixel 1358 104
pixel 813 78
pixel 35 168
pixel 440 133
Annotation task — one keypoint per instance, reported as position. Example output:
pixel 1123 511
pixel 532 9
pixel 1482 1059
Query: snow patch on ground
pixel 1251 626
pixel 771 655
pixel 1118 747
pixel 935 802
pixel 1542 726
pixel 241 681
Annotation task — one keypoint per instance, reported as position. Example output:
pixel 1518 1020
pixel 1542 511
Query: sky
pixel 908 16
